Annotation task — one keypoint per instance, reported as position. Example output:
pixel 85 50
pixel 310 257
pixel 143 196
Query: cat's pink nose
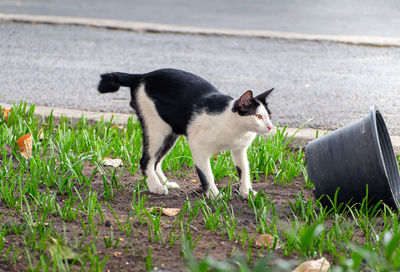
pixel 270 127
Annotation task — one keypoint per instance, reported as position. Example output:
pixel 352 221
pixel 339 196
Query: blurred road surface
pixel 332 84
pixel 342 17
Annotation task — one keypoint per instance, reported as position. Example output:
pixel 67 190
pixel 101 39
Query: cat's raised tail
pixel 111 82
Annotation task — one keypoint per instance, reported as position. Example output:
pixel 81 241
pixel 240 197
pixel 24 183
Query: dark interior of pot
pixel 389 159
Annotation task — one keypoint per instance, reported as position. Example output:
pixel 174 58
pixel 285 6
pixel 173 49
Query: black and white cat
pixel 170 102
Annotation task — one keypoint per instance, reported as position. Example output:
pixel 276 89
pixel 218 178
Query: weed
pixel 57 183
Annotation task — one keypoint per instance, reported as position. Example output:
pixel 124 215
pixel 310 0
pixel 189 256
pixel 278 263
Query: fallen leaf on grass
pixel 153 209
pixel 117 253
pixel 25 145
pixel 5 113
pixel 165 211
pixel 266 240
pixel 171 211
pixel 112 162
pixel 320 265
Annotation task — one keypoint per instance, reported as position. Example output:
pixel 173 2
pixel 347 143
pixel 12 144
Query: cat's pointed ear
pixel 244 101
pixel 264 95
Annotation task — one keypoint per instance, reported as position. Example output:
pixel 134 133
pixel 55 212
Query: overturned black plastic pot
pixel 353 157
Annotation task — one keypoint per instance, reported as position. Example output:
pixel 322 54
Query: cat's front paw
pixel 245 193
pixel 159 190
pixel 214 194
pixel 172 185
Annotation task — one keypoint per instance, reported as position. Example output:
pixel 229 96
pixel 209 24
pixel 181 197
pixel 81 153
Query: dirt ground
pixel 132 250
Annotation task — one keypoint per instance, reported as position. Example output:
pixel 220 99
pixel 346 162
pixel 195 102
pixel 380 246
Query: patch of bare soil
pixel 132 251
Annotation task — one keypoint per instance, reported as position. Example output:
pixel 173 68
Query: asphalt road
pixel 332 84
pixel 341 17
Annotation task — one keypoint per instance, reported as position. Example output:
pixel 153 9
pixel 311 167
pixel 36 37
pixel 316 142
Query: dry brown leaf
pixel 5 113
pixel 25 144
pixel 171 211
pixel 112 162
pixel 152 209
pixel 266 240
pixel 117 253
pixel 165 211
pixel 320 265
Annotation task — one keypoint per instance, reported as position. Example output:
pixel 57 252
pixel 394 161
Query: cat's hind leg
pixel 155 131
pixel 148 163
pixel 168 143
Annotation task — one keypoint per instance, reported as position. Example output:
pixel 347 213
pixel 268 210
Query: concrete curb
pixel 303 136
pixel 300 137
pixel 142 27
pixel 75 115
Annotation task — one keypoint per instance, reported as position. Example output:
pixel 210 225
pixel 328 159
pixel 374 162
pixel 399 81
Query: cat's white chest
pixel 233 142
pixel 218 133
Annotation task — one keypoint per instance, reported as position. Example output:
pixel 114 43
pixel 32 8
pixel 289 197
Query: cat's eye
pixel 259 116
pixel 270 116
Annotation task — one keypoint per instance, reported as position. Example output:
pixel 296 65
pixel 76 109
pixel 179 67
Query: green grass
pixel 53 184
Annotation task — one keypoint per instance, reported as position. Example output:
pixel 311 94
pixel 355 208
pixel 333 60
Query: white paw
pixel 159 190
pixel 172 185
pixel 211 194
pixel 245 193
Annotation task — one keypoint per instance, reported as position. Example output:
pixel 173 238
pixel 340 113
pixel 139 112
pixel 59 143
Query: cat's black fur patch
pixel 247 110
pixel 108 83
pixel 203 179
pixel 239 171
pixel 247 104
pixel 167 145
pixel 111 82
pixel 178 94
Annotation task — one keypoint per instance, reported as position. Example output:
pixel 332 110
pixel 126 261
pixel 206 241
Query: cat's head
pixel 254 111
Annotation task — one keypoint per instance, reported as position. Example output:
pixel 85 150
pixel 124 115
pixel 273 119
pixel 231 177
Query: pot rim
pixel 373 111
pixel 381 158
